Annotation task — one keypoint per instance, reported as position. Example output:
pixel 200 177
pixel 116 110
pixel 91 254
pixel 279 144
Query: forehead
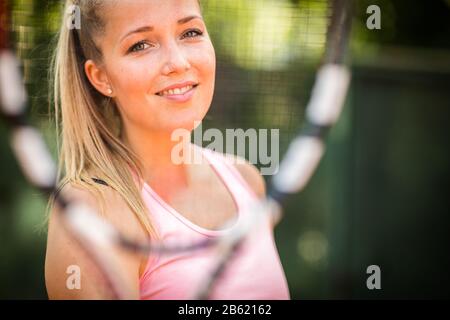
pixel 128 14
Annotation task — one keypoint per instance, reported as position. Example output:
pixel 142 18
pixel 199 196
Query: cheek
pixel 207 61
pixel 132 82
pixel 205 64
pixel 131 79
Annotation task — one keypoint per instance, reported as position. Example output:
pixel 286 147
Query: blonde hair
pixel 88 123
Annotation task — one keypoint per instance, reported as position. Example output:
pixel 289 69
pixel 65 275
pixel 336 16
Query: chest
pixel 208 202
pixel 209 206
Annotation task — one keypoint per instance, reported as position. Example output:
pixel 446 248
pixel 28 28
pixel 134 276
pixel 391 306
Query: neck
pixel 154 151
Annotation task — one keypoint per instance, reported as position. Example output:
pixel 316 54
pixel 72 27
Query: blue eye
pixel 139 46
pixel 193 33
pixel 142 45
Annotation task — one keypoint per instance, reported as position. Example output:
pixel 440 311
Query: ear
pixel 98 78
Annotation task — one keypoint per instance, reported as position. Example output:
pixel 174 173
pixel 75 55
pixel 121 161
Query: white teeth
pixel 176 91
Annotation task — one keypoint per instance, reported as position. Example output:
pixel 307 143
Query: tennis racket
pixel 300 161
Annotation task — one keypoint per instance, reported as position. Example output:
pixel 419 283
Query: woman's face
pixel 159 62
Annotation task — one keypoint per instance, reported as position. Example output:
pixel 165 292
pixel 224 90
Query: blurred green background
pixel 381 194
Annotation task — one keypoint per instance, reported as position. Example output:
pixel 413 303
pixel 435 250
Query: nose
pixel 175 60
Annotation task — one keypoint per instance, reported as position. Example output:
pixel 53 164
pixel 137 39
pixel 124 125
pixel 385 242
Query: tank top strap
pixel 225 168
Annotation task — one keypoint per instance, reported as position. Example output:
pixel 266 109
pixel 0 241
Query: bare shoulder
pixel 253 178
pixel 250 174
pixel 115 209
pixel 65 255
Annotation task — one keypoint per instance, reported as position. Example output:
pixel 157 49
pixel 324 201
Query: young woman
pixel 133 73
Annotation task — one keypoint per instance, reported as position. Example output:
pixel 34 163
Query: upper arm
pixel 66 259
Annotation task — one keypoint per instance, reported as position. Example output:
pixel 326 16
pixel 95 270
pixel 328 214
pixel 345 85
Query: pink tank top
pixel 255 273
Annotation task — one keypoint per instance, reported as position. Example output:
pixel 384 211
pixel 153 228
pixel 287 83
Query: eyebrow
pixel 151 28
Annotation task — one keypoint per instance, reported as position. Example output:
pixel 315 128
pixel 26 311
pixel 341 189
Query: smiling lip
pixel 179 92
pixel 179 85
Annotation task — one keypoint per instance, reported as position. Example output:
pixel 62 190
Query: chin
pixel 187 121
pixel 185 125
